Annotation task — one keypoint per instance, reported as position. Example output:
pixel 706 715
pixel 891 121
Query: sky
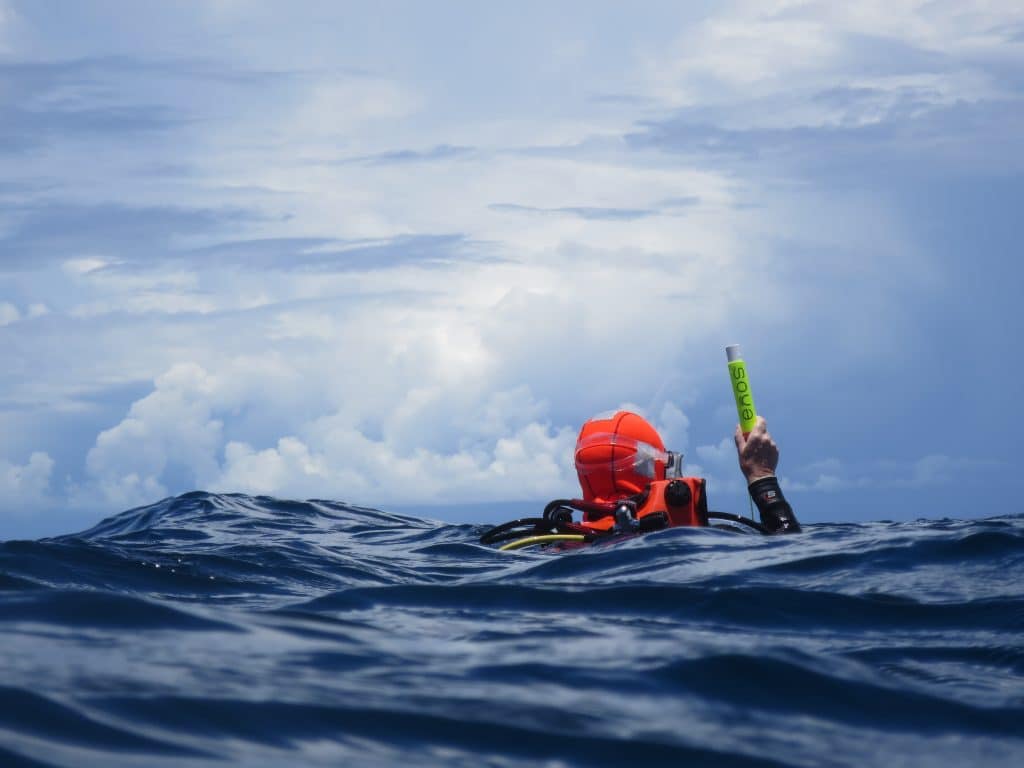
pixel 394 254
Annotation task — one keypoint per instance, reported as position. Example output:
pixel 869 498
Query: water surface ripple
pixel 213 628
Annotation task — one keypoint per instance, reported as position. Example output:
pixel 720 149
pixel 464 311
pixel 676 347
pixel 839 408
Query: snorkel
pixel 741 389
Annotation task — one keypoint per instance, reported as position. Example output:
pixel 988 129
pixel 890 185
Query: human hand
pixel 757 452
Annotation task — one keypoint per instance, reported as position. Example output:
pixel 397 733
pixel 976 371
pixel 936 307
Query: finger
pixel 739 438
pixel 760 426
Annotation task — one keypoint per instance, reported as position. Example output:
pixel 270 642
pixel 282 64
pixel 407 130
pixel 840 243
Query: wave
pixel 209 627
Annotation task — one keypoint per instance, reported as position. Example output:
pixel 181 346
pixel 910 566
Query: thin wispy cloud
pixel 582 212
pixel 405 156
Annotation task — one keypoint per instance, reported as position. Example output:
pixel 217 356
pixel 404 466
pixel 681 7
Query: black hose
pixel 739 519
pixel 515 529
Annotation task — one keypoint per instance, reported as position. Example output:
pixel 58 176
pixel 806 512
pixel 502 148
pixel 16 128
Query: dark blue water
pixel 207 629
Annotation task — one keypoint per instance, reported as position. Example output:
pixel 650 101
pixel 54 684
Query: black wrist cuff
pixel 776 514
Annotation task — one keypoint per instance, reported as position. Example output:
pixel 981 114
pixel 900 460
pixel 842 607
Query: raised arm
pixel 759 456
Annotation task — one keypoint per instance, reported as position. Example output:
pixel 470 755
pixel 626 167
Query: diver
pixel 631 484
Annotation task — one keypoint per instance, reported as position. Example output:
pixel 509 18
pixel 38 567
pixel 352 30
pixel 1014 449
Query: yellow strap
pixel 531 540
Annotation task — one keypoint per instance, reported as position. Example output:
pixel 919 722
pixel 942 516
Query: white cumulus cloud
pixel 492 445
pixel 174 423
pixel 25 486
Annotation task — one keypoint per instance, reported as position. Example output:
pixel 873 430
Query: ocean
pixel 208 629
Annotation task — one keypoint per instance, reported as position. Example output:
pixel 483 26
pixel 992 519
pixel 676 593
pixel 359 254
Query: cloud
pixel 936 469
pixel 931 471
pixel 822 482
pixel 287 467
pixel 171 425
pixel 146 258
pixel 91 236
pixel 588 213
pixel 48 101
pixel 407 156
pixel 115 97
pixel 752 48
pixel 83 266
pixel 909 88
pixel 903 136
pixel 329 255
pixel 678 203
pixel 6 17
pixel 717 462
pixel 499 447
pixel 8 313
pixel 674 427
pixel 340 101
pixel 25 487
pixel 527 464
pixel 314 270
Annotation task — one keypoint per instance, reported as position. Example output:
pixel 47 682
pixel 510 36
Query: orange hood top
pixel 618 455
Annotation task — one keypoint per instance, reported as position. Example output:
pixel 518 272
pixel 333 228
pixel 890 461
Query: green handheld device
pixel 741 389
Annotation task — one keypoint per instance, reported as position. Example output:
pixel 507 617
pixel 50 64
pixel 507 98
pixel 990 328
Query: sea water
pixel 209 629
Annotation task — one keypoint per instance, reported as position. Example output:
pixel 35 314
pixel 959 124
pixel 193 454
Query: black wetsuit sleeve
pixel 776 514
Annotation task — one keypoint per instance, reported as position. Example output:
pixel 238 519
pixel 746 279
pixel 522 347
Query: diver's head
pixel 619 454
